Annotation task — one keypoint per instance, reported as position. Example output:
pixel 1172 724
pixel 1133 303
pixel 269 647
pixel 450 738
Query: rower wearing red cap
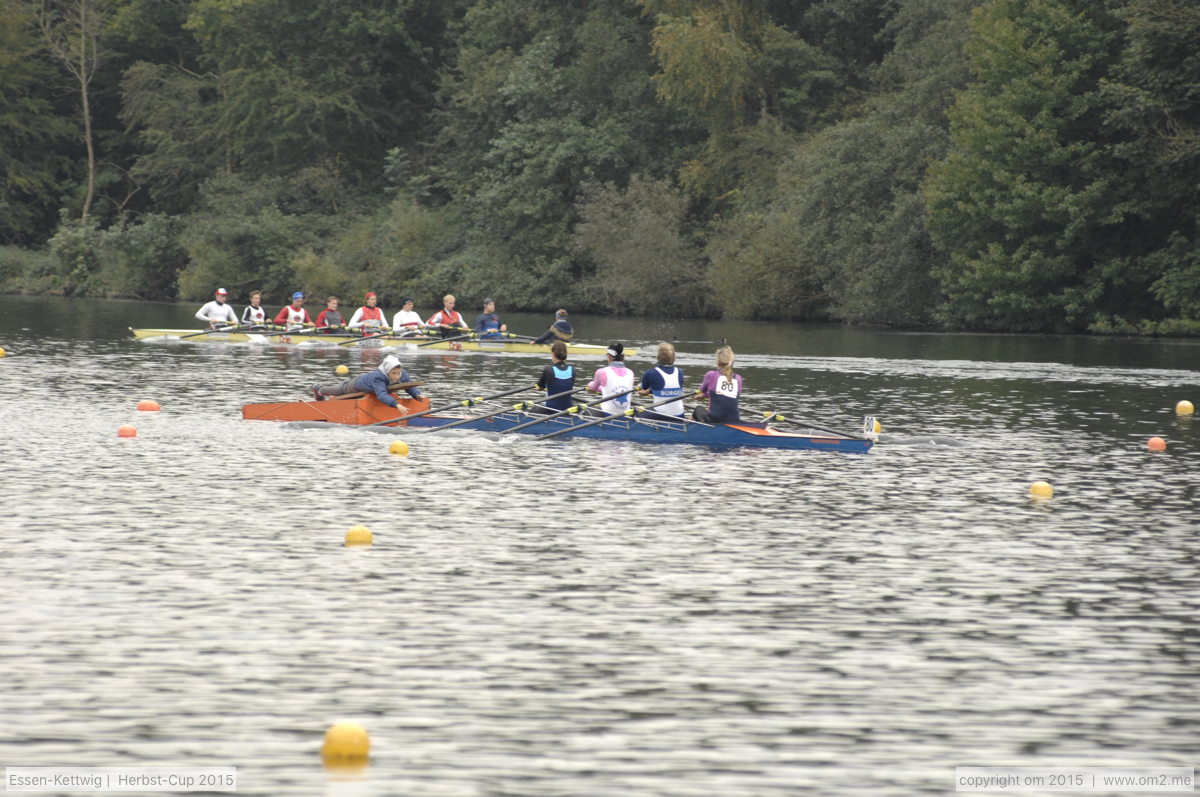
pixel 216 312
pixel 369 319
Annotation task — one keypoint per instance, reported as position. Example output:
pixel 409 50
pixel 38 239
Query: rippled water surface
pixel 576 617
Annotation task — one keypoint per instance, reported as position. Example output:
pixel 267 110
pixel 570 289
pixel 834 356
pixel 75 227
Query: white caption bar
pixel 128 779
pixel 1014 780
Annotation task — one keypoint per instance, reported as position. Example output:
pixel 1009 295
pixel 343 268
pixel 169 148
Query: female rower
pixel 369 318
pixel 722 388
pixel 558 377
pixel 254 316
pixel 663 381
pixel 612 379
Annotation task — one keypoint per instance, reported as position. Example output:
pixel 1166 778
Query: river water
pixel 591 618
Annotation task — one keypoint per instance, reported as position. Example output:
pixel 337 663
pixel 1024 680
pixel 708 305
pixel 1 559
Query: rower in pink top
pixel 611 379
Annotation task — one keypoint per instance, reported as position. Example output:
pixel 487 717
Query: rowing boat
pixel 637 429
pixel 356 341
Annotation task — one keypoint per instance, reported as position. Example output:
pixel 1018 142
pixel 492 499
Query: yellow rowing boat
pixel 311 339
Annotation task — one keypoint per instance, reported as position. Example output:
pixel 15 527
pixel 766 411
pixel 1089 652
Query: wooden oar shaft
pixel 572 409
pixel 463 403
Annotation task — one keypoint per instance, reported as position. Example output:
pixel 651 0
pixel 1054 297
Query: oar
pixel 572 409
pixel 443 340
pixel 463 403
pixel 383 334
pixel 519 406
pixel 210 331
pixel 521 338
pixel 772 416
pixel 628 412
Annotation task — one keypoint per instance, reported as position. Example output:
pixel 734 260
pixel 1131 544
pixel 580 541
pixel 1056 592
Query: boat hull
pixel 634 429
pixel 355 342
pixel 350 412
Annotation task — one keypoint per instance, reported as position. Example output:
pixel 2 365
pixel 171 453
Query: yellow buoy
pixel 148 405
pixel 1041 490
pixel 359 535
pixel 346 742
pixel 1184 408
pixel 878 427
pixel 341 370
pixel 1156 444
pixel 2 351
pixel 399 448
pixel 126 431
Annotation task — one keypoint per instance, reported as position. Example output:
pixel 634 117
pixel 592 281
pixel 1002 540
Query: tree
pixel 1025 204
pixel 33 134
pixel 72 30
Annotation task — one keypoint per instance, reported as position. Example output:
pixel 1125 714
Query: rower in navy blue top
pixel 663 381
pixel 558 377
pixel 487 324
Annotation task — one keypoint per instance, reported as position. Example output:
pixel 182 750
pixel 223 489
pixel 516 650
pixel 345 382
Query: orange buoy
pixel 1156 444
pixel 148 405
pixel 126 431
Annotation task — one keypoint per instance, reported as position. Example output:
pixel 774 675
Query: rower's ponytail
pixel 725 362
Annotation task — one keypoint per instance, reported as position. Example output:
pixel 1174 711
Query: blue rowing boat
pixel 638 429
pixel 370 413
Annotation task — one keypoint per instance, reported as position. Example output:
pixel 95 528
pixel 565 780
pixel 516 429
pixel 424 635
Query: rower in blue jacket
pixel 389 372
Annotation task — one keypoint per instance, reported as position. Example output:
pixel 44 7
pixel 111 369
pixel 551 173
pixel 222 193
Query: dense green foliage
pixel 985 164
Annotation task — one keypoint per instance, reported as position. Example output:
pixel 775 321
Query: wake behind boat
pixel 369 412
pixel 313 339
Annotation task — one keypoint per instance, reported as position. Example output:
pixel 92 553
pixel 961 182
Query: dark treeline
pixel 984 164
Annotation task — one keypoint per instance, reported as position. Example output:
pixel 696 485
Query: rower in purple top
pixel 721 387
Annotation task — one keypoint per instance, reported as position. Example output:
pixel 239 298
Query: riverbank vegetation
pixel 1009 165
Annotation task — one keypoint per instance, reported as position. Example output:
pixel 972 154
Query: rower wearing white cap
pixel 389 372
pixel 216 312
pixel 612 379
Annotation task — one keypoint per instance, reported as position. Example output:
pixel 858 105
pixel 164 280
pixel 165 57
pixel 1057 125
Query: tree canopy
pixel 981 164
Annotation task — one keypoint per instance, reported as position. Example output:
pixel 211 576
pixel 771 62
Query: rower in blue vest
pixel 558 377
pixel 662 382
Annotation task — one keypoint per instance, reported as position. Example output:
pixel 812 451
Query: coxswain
pixel 294 317
pixel 369 319
pixel 216 312
pixel 448 320
pixel 487 324
pixel 721 387
pixel 254 316
pixel 376 381
pixel 407 323
pixel 612 379
pixel 559 330
pixel 329 320
pixel 664 381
